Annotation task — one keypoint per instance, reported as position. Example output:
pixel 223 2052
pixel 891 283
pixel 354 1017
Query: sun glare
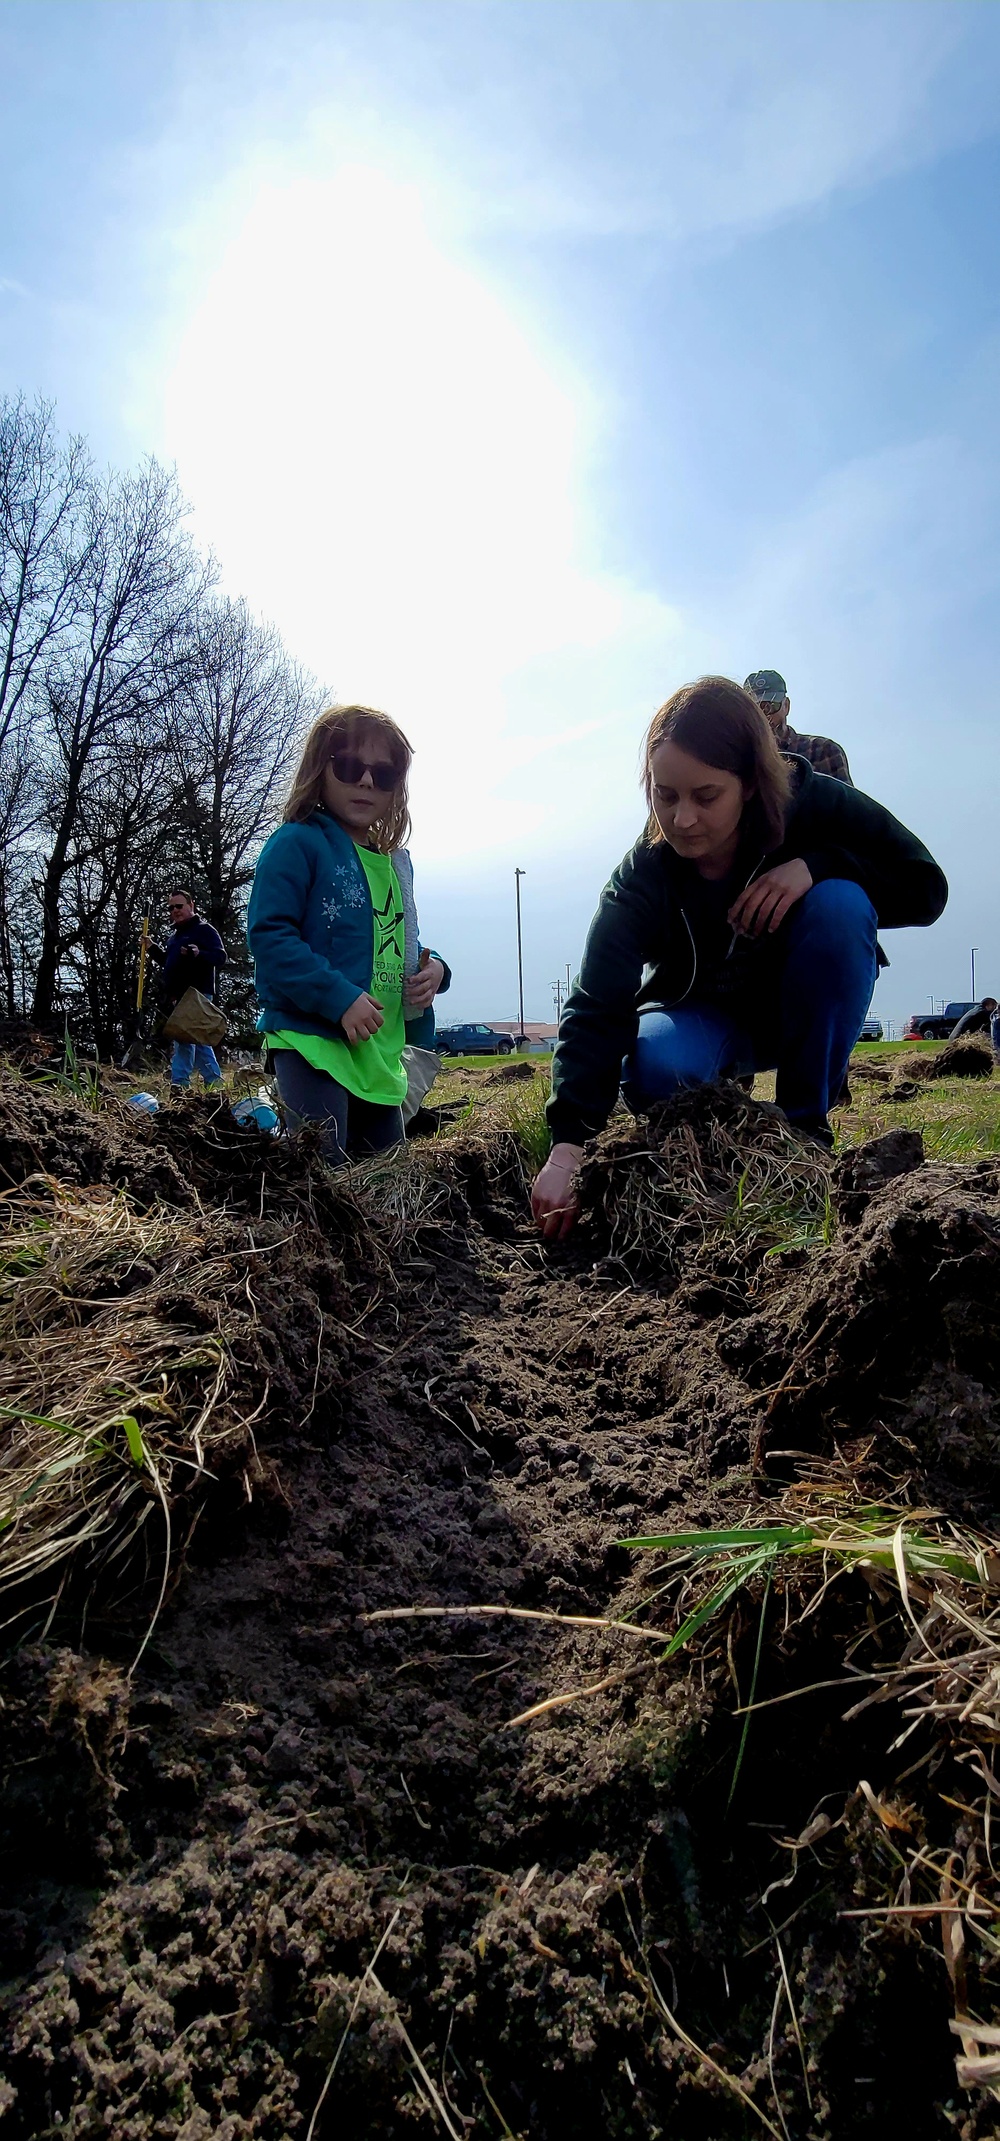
pixel 386 466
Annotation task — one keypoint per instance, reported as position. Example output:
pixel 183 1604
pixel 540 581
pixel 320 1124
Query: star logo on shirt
pixel 389 920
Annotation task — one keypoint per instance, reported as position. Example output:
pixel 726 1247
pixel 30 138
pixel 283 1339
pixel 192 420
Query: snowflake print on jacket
pixel 350 890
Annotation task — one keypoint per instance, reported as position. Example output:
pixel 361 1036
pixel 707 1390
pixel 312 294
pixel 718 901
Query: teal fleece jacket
pixel 311 930
pixel 645 944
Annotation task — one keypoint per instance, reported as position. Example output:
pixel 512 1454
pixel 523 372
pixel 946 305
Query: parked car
pixel 872 1030
pixel 936 1025
pixel 472 1041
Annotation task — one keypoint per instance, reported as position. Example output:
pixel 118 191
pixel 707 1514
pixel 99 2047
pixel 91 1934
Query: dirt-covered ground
pixel 298 1875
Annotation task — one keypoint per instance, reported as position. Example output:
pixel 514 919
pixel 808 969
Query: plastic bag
pixel 421 1066
pixel 195 1018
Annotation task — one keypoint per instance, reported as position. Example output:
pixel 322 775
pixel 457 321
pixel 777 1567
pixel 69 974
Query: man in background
pixel 194 954
pixel 771 693
pixel 978 1020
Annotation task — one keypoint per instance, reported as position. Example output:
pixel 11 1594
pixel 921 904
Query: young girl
pixel 339 970
pixel 738 935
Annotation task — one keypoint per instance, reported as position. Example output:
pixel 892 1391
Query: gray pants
pixel 351 1128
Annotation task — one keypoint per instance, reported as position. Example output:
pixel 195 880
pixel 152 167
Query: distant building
pixel 541 1039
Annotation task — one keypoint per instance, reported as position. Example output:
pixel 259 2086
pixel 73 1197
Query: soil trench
pixel 301 1877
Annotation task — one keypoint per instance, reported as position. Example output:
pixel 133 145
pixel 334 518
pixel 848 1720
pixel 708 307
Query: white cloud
pixel 621 116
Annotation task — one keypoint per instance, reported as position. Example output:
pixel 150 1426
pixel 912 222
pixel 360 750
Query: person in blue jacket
pixel 194 955
pixel 343 981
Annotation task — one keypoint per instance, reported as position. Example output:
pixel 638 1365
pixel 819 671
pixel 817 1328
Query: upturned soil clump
pixel 969 1057
pixel 274 1867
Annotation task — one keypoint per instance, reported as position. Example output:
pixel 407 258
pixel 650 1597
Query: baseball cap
pixel 767 684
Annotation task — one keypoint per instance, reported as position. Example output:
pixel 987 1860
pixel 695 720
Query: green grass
pixel 891 1048
pixel 958 1118
pixel 711 1569
pixel 870 1536
pixel 523 1114
pixel 81 1079
pixel 782 1219
pixel 717 1565
pixel 490 1062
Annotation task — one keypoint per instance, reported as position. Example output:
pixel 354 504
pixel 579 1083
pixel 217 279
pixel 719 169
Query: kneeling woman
pixel 332 927
pixel 751 906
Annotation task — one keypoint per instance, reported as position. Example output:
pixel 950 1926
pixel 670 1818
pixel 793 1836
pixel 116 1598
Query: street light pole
pixel 975 948
pixel 518 874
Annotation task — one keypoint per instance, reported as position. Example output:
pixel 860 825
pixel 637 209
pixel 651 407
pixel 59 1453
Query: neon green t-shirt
pixel 373 1070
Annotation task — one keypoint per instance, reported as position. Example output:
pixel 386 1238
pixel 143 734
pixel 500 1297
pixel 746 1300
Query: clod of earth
pixel 287 1873
pixel 510 1074
pixel 968 1057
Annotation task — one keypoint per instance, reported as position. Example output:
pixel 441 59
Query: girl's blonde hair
pixel 341 728
pixel 718 721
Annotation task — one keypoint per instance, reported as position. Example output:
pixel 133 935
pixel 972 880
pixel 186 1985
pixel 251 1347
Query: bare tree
pixel 145 727
pixel 238 706
pixel 44 489
pixel 139 591
pixel 43 495
pixel 124 829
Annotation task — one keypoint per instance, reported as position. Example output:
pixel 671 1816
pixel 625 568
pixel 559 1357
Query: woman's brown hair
pixel 720 723
pixel 341 728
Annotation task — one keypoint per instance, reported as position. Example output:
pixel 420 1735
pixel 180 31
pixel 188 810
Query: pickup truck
pixel 936 1025
pixel 472 1041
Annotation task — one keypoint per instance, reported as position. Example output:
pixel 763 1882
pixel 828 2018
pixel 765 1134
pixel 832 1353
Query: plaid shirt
pixel 821 751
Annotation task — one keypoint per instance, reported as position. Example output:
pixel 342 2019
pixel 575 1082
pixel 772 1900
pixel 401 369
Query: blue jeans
pixel 804 1025
pixel 189 1056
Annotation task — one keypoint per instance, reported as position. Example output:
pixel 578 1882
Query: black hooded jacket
pixel 656 920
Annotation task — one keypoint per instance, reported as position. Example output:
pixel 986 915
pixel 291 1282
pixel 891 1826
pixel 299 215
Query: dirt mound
pixel 191 1150
pixel 709 1163
pixel 158 1314
pixel 304 1879
pixel 969 1057
pixel 32 1048
pixel 510 1074
pixel 864 1169
pixel 910 1289
pixel 48 1132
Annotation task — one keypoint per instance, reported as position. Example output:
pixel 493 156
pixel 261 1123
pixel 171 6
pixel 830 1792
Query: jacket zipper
pixel 732 937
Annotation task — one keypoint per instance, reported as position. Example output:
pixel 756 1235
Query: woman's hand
pixel 765 903
pixel 362 1018
pixel 554 1202
pixel 420 988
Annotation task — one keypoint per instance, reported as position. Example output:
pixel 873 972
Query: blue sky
pixel 523 358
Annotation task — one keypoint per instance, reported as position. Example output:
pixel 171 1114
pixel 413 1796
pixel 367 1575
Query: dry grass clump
pixel 118 1379
pixel 940 1877
pixel 947 1683
pixel 421 1195
pixel 408 1192
pixel 709 1165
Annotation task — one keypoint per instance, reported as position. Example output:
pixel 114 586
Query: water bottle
pixel 144 1103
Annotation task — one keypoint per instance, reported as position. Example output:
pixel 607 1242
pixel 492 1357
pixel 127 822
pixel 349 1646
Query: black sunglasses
pixel 351 770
